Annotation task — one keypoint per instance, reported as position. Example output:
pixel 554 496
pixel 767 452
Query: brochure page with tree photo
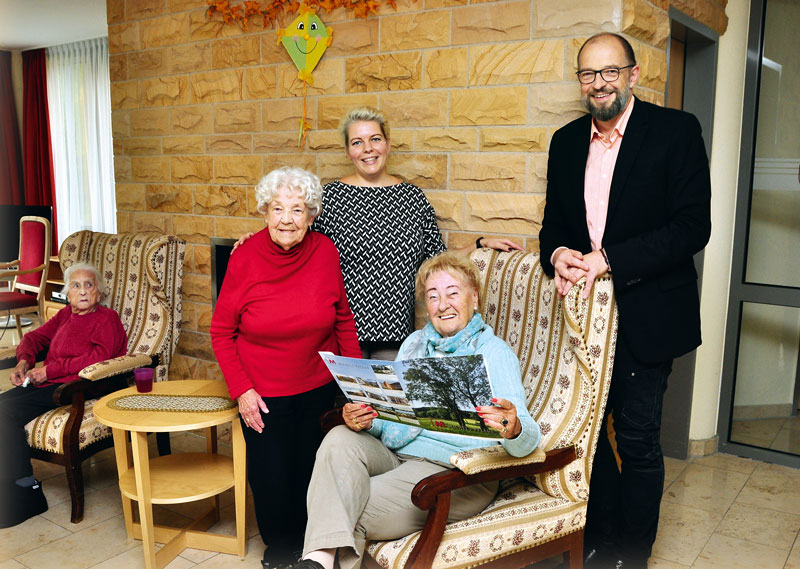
pixel 439 394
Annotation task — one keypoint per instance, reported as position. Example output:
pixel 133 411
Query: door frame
pixel 699 86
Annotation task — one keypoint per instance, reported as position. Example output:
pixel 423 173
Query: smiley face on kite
pixel 306 39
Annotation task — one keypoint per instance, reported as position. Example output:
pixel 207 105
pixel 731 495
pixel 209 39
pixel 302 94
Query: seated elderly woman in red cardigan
pixel 80 334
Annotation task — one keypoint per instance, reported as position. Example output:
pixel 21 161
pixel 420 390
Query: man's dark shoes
pixel 19 503
pixel 308 564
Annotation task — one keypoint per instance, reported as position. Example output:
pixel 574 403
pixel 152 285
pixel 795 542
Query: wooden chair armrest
pixel 433 494
pixel 116 366
pixel 82 389
pixel 111 376
pixel 74 394
pixel 5 274
pixel 330 419
pixel 7 264
pixel 428 489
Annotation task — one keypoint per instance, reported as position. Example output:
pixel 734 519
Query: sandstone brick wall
pixel 473 91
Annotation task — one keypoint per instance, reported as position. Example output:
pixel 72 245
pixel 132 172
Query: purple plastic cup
pixel 143 377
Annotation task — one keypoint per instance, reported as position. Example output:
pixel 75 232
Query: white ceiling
pixel 30 24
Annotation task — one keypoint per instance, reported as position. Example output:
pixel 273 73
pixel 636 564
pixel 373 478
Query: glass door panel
pixel 775 200
pixel 765 399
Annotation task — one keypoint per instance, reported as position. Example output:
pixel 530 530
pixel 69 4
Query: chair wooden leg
pixel 162 442
pixel 75 481
pixel 17 318
pixel 573 556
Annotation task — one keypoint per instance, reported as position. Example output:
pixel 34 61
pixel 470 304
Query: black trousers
pixel 624 502
pixel 280 460
pixel 18 406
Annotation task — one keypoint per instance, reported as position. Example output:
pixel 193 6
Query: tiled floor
pixel 718 512
pixel 778 434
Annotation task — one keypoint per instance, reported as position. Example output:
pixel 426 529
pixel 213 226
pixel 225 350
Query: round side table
pixel 176 478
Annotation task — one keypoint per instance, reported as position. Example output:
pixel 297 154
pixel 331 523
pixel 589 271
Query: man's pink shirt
pixel 603 152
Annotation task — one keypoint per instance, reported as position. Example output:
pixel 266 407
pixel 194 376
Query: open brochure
pixel 439 394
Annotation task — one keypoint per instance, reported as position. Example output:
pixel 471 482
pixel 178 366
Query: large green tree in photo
pixel 449 383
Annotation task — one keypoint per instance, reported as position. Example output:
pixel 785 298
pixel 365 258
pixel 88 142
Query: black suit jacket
pixel 659 216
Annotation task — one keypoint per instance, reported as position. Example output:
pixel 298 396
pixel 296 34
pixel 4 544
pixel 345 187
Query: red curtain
pixel 40 186
pixel 11 159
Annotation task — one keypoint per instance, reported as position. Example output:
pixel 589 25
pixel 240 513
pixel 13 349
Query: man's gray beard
pixel 607 113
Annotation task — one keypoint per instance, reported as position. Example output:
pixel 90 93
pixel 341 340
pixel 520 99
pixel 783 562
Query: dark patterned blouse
pixel 383 235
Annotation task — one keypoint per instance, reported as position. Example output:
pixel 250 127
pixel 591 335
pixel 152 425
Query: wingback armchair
pixel 142 275
pixel 566 352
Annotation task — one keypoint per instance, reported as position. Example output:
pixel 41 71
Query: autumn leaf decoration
pixel 241 13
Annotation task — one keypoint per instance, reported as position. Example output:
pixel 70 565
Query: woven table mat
pixel 175 403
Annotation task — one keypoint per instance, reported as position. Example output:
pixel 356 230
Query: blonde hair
pixel 455 264
pixel 302 181
pixel 362 114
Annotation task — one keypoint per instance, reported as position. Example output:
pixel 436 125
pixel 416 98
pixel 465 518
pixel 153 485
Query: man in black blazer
pixel 628 195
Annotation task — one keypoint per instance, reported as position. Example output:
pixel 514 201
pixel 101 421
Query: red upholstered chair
pixel 29 270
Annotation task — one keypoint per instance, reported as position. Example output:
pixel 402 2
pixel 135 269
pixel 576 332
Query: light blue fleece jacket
pixel 504 374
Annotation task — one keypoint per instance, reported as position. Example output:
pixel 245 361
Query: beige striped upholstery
pixel 142 275
pixel 45 431
pixel 566 351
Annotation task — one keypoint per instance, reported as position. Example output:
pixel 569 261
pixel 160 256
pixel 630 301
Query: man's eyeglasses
pixel 609 74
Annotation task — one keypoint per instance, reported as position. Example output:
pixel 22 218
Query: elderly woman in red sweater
pixel 282 301
pixel 80 334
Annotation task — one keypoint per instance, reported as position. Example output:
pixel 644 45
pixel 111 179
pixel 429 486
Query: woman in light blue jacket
pixel 365 470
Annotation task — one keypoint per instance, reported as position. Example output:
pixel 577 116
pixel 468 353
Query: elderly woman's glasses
pixel 609 74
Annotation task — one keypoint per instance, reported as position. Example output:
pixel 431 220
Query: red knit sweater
pixel 276 310
pixel 75 341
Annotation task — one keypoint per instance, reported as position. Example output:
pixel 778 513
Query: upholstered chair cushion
pixel 46 432
pixel 521 516
pixel 493 457
pixel 14 300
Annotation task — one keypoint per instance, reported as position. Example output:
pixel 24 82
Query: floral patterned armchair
pixel 566 351
pixel 142 275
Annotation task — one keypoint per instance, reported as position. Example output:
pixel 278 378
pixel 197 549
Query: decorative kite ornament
pixel 306 39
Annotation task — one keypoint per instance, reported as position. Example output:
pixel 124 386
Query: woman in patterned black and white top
pixel 384 229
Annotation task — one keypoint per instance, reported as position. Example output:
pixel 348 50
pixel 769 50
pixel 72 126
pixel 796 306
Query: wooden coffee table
pixel 177 478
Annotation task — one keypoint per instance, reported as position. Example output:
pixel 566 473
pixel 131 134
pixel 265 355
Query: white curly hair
pixel 98 279
pixel 302 181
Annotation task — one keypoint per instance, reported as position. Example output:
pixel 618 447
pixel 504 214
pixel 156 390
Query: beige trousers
pixel 362 490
